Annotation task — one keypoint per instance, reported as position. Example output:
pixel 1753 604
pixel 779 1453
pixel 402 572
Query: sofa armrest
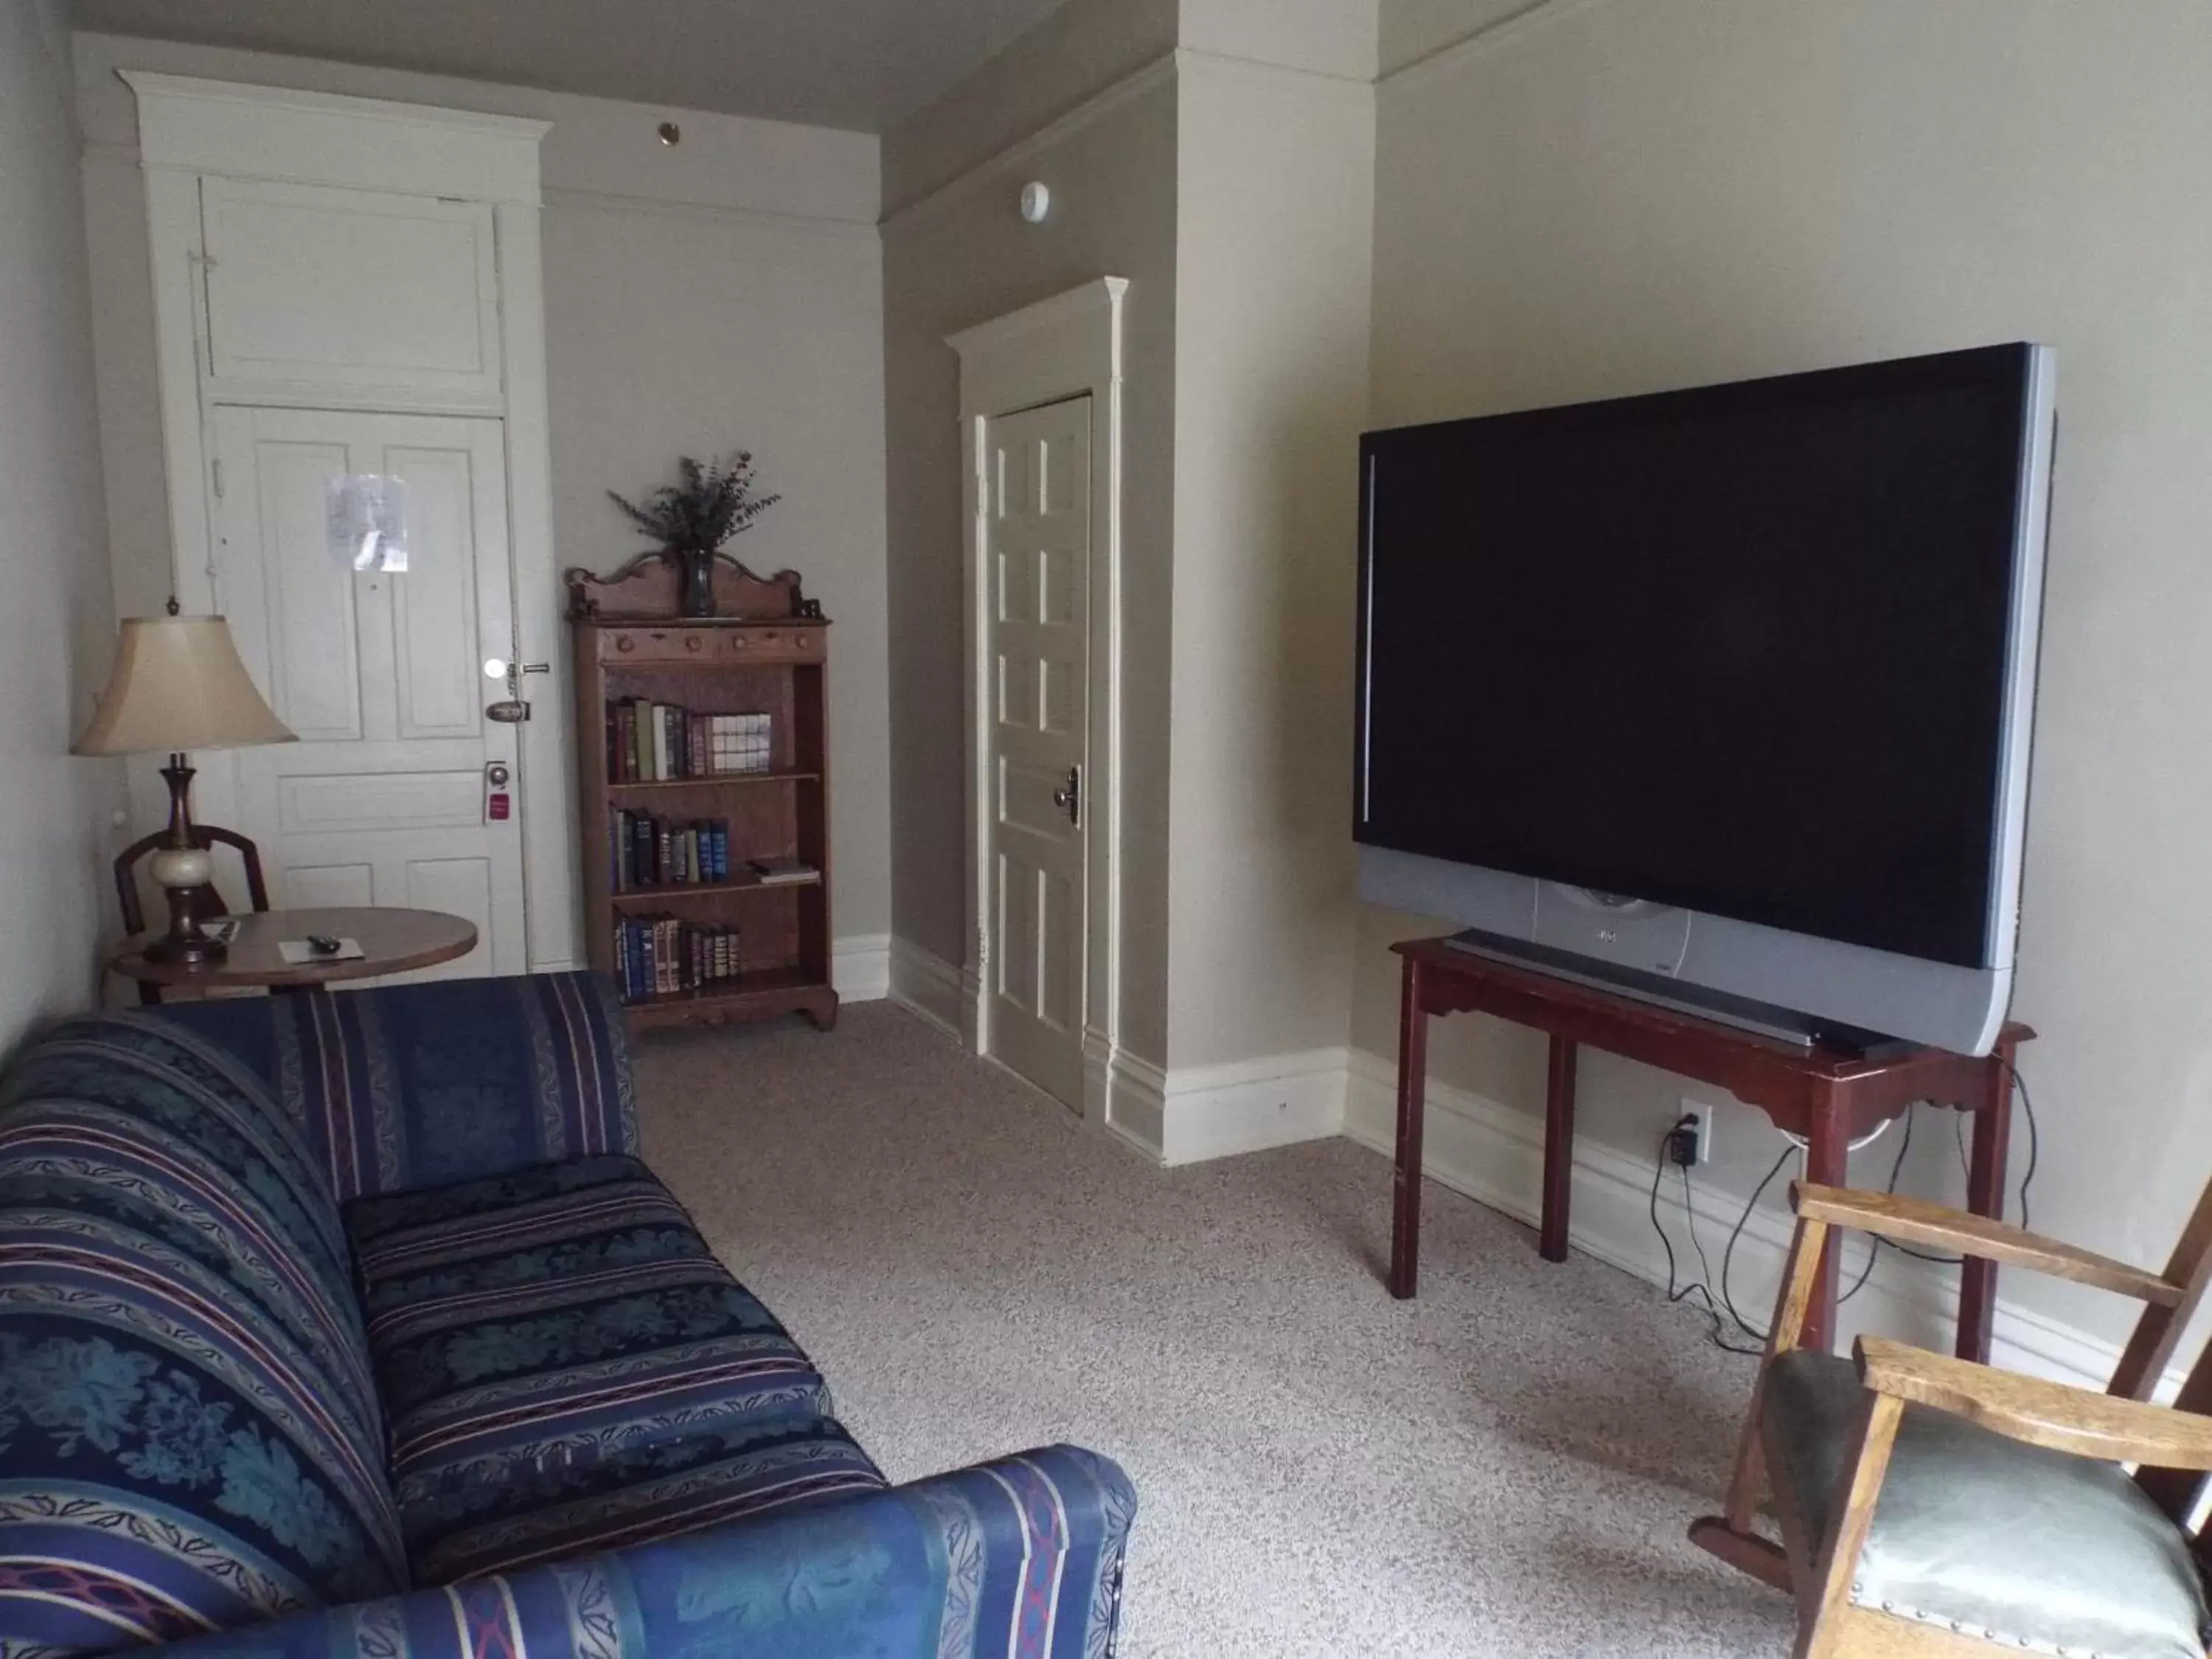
pixel 420 1086
pixel 1019 1555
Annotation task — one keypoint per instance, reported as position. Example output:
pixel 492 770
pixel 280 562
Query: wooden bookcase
pixel 766 653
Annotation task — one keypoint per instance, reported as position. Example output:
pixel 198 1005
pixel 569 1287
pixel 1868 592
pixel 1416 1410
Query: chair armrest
pixel 2053 1414
pixel 982 1561
pixel 1914 1221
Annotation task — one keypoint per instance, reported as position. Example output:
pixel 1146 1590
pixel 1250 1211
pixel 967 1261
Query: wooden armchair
pixel 1936 1509
pixel 207 905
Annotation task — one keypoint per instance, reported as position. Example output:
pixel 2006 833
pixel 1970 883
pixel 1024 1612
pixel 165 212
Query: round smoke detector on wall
pixel 1036 202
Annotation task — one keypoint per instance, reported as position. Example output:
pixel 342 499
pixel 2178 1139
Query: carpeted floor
pixel 1504 1467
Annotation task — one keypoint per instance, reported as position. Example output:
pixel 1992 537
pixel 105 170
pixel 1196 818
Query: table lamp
pixel 179 685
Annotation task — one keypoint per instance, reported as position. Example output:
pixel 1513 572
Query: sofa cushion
pixel 742 1465
pixel 554 1318
pixel 189 1437
pixel 410 1086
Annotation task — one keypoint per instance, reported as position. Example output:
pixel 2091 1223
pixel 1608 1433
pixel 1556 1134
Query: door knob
pixel 1069 799
pixel 511 710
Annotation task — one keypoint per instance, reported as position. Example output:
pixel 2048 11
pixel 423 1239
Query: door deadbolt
pixel 511 710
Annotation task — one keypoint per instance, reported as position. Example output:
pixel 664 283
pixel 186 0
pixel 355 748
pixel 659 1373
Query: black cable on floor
pixel 1675 1296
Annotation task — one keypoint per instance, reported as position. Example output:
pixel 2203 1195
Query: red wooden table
pixel 1828 1098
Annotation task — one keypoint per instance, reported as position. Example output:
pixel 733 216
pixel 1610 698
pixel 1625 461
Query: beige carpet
pixel 1504 1467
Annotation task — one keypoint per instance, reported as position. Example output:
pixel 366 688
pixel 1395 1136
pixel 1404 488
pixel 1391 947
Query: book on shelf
pixel 652 742
pixel 657 956
pixel 781 871
pixel 644 851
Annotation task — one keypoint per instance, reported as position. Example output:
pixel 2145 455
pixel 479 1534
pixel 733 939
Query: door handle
pixel 511 710
pixel 1069 799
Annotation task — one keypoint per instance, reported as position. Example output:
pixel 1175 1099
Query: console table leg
pixel 1406 1183
pixel 1558 1149
pixel 1827 1163
pixel 1985 1195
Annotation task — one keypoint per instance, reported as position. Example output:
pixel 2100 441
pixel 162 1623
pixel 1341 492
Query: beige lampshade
pixel 177 685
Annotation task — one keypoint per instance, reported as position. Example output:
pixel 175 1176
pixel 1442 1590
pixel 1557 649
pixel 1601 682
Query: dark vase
pixel 697 598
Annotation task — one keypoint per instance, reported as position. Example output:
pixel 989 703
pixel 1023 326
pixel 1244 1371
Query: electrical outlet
pixel 1702 1134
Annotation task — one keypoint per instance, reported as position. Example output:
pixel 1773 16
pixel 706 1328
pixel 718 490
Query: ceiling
pixel 860 65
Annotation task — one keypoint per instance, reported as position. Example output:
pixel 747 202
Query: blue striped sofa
pixel 353 1328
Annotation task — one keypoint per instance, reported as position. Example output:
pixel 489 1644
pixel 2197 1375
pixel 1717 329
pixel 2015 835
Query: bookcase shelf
pixel 767 656
pixel 719 780
pixel 679 890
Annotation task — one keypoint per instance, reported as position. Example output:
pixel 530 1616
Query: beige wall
pixel 1613 198
pixel 58 621
pixel 1220 156
pixel 725 292
pixel 961 257
pixel 1275 211
pixel 1409 30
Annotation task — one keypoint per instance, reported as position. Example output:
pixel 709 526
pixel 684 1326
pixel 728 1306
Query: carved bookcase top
pixel 647 590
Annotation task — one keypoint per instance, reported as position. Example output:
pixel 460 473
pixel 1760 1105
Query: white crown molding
pixel 261 99
pixel 241 131
pixel 559 197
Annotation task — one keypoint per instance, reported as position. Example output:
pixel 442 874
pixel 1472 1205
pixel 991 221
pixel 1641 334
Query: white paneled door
pixel 385 799
pixel 1036 554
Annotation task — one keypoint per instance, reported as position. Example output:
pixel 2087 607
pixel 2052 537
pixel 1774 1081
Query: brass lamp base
pixel 184 869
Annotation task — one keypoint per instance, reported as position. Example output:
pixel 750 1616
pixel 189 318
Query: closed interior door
pixel 1036 571
pixel 383 799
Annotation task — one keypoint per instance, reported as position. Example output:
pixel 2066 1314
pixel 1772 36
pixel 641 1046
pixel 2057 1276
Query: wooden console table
pixel 1830 1099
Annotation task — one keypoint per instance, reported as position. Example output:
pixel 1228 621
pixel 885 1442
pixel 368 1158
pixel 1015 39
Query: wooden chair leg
pixel 1729 1534
pixel 1826 1597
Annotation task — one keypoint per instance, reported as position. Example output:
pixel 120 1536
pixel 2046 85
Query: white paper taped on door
pixel 367 518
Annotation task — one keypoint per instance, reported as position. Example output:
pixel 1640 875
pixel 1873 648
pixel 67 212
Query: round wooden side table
pixel 392 941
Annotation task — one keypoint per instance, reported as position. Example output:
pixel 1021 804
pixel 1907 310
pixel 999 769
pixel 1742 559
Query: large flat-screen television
pixel 1721 695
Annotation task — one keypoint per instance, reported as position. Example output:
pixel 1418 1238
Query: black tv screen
pixel 1742 649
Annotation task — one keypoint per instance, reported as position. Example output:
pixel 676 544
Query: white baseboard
pixel 1204 1112
pixel 860 967
pixel 1249 1106
pixel 925 984
pixel 1124 1096
pixel 1182 1117
pixel 1494 1155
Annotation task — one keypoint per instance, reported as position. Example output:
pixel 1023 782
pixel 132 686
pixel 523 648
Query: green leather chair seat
pixel 2016 1544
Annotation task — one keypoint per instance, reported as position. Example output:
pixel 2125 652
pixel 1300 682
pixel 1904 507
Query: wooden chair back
pixel 2150 1350
pixel 207 837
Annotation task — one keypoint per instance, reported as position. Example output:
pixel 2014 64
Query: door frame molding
pixel 190 128
pixel 1047 353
